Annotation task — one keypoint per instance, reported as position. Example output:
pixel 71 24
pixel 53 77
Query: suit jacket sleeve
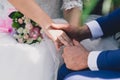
pixel 110 24
pixel 110 59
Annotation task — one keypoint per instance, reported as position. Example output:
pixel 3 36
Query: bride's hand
pixel 59 37
pixel 72 31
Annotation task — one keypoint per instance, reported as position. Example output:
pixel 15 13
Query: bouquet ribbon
pixel 5 25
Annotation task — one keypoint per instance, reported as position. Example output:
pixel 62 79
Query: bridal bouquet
pixel 25 29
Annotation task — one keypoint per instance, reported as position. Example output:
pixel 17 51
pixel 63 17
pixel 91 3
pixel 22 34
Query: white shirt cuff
pixel 95 29
pixel 92 60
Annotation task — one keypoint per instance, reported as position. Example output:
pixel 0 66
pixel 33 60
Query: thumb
pixel 76 43
pixel 59 26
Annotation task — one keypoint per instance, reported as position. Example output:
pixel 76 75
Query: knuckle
pixel 68 66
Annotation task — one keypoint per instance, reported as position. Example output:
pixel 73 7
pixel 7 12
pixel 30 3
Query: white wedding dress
pixel 30 62
pixel 37 61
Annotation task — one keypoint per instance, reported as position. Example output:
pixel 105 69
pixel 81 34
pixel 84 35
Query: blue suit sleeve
pixel 110 24
pixel 109 60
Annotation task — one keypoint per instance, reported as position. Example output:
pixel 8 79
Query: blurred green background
pixel 90 5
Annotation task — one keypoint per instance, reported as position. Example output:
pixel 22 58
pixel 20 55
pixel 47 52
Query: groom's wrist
pixel 84 32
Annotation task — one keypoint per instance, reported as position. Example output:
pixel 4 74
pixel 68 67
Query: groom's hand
pixel 71 31
pixel 75 57
pixel 74 32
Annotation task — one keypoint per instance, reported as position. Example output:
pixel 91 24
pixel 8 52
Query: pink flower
pixel 29 26
pixel 20 21
pixel 34 33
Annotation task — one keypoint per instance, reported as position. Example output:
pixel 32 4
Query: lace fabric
pixel 68 4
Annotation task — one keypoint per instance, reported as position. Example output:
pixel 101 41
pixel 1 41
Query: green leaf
pixel 33 23
pixel 16 14
pixel 12 15
pixel 19 14
pixel 15 25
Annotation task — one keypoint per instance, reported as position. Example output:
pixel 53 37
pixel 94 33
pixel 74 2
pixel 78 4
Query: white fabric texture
pixel 28 62
pixel 92 60
pixel 51 7
pixel 4 6
pixel 95 29
pixel 68 4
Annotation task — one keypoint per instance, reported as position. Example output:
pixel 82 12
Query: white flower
pixel 20 36
pixel 20 30
pixel 16 36
pixel 25 31
pixel 23 18
pixel 28 26
pixel 29 41
pixel 27 20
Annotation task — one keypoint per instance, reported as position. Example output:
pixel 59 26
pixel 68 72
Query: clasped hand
pixel 59 37
pixel 75 55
